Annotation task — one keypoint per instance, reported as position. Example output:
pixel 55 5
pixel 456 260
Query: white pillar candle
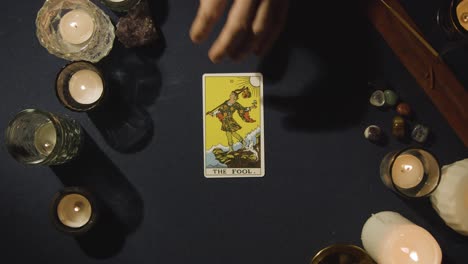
pixel 390 238
pixel 76 27
pixel 407 171
pixel 86 86
pixel 74 210
pixel 450 199
pixel 45 138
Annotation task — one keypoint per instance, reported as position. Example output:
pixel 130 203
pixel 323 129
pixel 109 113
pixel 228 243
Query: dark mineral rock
pixel 137 28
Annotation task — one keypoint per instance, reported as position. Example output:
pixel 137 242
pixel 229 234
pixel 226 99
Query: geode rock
pixel 137 28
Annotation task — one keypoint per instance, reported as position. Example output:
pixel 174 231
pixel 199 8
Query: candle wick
pixel 74 24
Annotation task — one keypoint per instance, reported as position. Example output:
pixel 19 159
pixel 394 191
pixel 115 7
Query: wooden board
pixel 422 61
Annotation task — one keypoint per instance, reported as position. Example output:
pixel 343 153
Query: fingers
pixel 208 14
pixel 234 39
pixel 268 24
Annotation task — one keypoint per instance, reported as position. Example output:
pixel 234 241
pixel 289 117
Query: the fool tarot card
pixel 233 125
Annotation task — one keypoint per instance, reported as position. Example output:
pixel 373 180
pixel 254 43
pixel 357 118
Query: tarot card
pixel 233 125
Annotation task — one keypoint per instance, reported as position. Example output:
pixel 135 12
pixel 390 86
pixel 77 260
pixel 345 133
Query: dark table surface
pixel 321 180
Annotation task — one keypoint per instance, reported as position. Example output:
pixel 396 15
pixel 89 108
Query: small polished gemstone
pixel 398 127
pixel 373 133
pixel 420 133
pixel 403 109
pixel 377 98
pixel 391 98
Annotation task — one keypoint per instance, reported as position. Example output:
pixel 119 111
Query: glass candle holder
pixel 452 17
pixel 411 172
pixel 74 30
pixel 80 86
pixel 74 211
pixel 342 254
pixel 40 137
pixel 120 5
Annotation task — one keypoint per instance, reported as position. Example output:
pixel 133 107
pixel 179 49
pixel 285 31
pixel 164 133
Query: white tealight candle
pixel 389 238
pixel 407 171
pixel 86 86
pixel 76 27
pixel 462 14
pixel 45 138
pixel 74 210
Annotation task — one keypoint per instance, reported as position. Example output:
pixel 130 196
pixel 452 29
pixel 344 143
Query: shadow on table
pixel 120 205
pixel 335 36
pixel 133 82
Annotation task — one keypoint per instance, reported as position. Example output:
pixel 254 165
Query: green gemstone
pixel 391 98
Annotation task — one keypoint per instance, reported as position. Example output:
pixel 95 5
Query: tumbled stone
pixel 391 98
pixel 137 28
pixel 373 133
pixel 377 98
pixel 398 127
pixel 420 133
pixel 403 109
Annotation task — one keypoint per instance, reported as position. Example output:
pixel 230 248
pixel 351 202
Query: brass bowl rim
pixel 349 246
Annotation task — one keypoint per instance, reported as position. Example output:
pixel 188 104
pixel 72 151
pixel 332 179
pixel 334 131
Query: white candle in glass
pixel 45 138
pixel 86 86
pixel 76 27
pixel 390 238
pixel 74 210
pixel 407 171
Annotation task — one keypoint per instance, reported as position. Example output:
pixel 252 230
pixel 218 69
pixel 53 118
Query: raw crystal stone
pixel 420 133
pixel 373 133
pixel 403 109
pixel 391 98
pixel 137 28
pixel 377 98
pixel 398 127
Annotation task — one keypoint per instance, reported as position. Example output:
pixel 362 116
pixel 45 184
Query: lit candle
pixel 45 138
pixel 462 14
pixel 390 238
pixel 76 27
pixel 86 86
pixel 32 138
pixel 74 210
pixel 450 199
pixel 407 171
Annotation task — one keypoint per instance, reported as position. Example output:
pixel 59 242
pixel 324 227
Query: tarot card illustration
pixel 233 125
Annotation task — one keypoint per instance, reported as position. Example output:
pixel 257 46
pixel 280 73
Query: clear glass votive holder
pixel 452 18
pixel 80 86
pixel 75 30
pixel 74 211
pixel 39 137
pixel 120 5
pixel 411 172
pixel 342 254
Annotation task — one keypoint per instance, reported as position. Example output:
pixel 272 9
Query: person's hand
pixel 251 26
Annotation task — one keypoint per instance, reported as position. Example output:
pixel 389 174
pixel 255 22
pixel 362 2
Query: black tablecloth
pixel 321 182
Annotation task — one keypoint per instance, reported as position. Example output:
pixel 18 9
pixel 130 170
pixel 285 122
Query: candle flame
pixel 74 24
pixel 414 256
pixel 406 168
pixel 76 209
